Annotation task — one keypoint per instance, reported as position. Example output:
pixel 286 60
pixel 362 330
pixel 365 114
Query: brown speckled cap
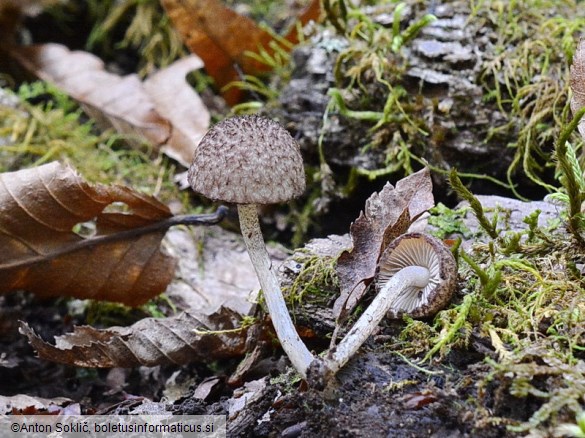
pixel 248 160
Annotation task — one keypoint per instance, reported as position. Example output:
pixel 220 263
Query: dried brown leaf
pixel 224 38
pixel 26 403
pixel 219 35
pixel 164 110
pixel 577 79
pixel 208 387
pixel 175 100
pixel 387 215
pixel 39 209
pixel 150 342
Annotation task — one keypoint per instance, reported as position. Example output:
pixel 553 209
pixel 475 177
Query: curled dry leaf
pixel 185 338
pixel 164 110
pixel 578 83
pixel 39 209
pixel 175 100
pixel 387 215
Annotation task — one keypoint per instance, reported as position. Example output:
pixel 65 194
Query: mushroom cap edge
pixel 432 254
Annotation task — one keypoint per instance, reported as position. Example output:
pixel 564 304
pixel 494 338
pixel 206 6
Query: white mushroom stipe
pixel 407 279
pixel 291 342
pixel 250 161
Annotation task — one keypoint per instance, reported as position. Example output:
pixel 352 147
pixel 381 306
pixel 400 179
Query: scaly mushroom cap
pixel 248 160
pixel 417 249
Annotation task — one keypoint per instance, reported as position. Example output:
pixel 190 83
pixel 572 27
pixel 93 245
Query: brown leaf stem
pixel 165 224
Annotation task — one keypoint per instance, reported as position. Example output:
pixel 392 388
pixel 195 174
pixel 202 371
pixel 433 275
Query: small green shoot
pixel 576 430
pixel 464 193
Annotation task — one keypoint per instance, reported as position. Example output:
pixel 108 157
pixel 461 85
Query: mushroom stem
pixel 408 277
pixel 291 342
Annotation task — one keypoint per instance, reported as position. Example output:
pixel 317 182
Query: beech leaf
pixel 577 80
pixel 41 253
pixel 187 337
pixel 164 110
pixel 387 215
pixel 175 100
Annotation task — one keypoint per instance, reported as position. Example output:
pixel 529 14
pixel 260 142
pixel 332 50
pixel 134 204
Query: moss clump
pixel 527 73
pixel 448 222
pixel 316 281
pixel 369 67
pixel 523 297
pixel 108 314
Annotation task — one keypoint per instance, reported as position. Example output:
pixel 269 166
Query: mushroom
pixel 416 275
pixel 251 161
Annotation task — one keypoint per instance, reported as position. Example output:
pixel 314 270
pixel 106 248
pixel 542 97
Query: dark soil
pixel 376 394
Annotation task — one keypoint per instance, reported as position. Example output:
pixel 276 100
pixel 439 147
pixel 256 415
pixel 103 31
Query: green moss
pixel 370 66
pixel 533 318
pixel 108 314
pixel 288 381
pixel 316 282
pixel 146 30
pixel 522 294
pixel 576 430
pixel 448 222
pixel 527 75
pixel 528 305
pixel 56 129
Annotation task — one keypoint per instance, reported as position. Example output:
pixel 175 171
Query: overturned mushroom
pixel 251 160
pixel 418 249
pixel 416 275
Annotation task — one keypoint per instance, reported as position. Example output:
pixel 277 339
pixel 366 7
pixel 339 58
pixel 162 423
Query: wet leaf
pixel 418 400
pixel 251 393
pixel 577 79
pixel 164 110
pixel 224 39
pixel 41 253
pixel 151 341
pixel 208 388
pixel 387 215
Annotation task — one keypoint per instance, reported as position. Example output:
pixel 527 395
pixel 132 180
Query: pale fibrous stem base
pixel 291 342
pixel 407 277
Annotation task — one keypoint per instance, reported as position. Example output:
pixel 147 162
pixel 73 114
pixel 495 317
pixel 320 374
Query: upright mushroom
pixel 416 275
pixel 251 161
